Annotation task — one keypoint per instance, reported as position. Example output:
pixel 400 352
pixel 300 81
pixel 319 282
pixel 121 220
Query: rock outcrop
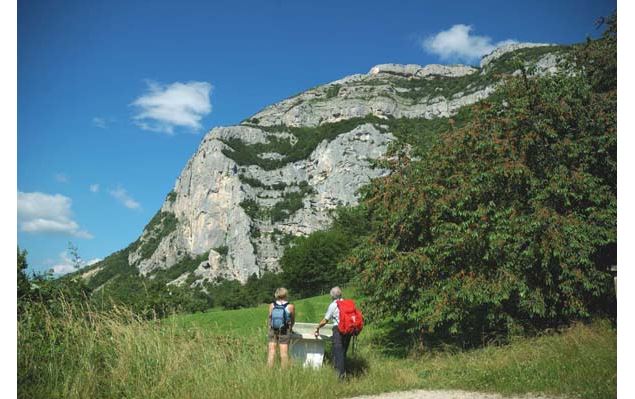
pixel 499 51
pixel 417 71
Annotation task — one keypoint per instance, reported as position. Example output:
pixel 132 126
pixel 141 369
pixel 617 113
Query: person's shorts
pixel 282 336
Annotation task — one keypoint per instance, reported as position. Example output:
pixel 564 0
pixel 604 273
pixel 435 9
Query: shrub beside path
pixel 427 394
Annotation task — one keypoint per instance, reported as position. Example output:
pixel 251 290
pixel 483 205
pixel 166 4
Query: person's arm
pixel 292 313
pixel 269 318
pixel 320 325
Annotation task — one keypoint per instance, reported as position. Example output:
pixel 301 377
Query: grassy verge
pixel 80 353
pixel 580 362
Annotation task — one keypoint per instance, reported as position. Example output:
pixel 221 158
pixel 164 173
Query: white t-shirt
pixel 285 309
pixel 333 313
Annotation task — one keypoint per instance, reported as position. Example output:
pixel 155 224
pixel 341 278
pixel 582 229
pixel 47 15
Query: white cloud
pixel 164 107
pixel 61 177
pixel 456 43
pixel 64 264
pixel 99 122
pixel 102 123
pixel 45 213
pixel 94 188
pixel 62 269
pixel 121 195
pixel 92 261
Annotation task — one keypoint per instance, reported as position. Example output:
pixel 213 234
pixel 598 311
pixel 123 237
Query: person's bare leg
pixel 284 355
pixel 272 354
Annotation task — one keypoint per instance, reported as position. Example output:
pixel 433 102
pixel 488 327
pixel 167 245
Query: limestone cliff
pixel 249 188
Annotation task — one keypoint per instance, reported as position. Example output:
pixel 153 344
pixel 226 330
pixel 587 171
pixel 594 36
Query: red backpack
pixel 351 319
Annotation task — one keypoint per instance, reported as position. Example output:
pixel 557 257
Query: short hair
pixel 336 293
pixel 281 293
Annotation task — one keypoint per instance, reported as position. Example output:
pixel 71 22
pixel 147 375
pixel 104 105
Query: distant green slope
pixel 249 320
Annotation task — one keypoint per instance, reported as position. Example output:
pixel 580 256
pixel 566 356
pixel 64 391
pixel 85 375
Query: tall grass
pixel 81 353
pixel 581 361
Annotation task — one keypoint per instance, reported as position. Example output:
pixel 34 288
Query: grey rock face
pixel 209 196
pixel 370 94
pixel 209 192
pixel 499 51
pixel 411 70
pixel 547 64
pixel 206 206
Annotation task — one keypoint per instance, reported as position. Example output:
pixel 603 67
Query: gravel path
pixel 423 394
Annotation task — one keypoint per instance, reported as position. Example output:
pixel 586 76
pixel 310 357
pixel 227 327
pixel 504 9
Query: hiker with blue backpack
pixel 280 322
pixel 347 323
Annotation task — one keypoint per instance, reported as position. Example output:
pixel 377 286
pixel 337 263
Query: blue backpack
pixel 279 316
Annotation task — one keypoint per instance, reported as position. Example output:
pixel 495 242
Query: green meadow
pixel 80 353
pixel 242 322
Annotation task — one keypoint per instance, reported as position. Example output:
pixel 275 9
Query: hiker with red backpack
pixel 280 322
pixel 347 323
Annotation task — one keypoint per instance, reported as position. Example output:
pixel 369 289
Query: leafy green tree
pixel 310 263
pixel 507 224
pixel 261 289
pixel 24 287
pixel 353 222
pixel 42 289
pixel 76 261
pixel 310 266
pixel 598 58
pixel 229 294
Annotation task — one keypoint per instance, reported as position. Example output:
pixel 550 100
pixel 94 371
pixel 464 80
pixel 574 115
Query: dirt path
pixel 423 394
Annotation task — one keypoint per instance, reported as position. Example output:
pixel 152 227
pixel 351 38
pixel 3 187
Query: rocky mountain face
pixel 250 188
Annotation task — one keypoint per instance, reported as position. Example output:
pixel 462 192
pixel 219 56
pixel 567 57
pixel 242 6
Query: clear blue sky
pixel 83 65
